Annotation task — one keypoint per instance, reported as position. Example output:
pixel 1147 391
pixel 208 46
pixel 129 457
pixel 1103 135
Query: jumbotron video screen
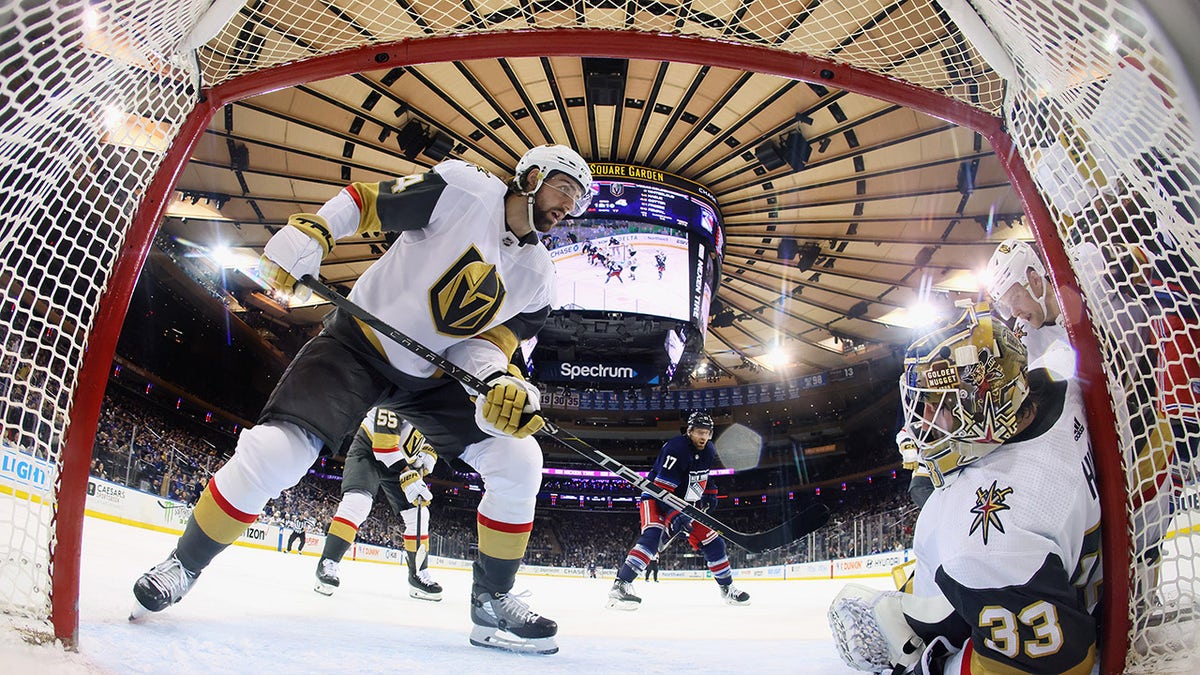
pixel 647 256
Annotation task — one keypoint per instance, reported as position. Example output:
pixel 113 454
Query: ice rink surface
pixel 254 611
pixel 583 285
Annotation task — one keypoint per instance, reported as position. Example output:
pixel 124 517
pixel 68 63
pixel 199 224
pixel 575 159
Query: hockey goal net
pixel 1086 102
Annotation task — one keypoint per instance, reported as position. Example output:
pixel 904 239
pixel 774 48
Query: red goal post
pixel 88 185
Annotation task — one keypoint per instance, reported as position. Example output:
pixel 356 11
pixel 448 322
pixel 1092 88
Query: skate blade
pixel 137 612
pixel 624 605
pixel 323 588
pixel 1176 610
pixel 736 603
pixel 493 638
pixel 422 595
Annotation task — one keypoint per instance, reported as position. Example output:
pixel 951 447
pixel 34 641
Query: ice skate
pixel 1174 610
pixel 504 621
pixel 621 596
pixel 422 586
pixel 733 596
pixel 327 577
pixel 164 585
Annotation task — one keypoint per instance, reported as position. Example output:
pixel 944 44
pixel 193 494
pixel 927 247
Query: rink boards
pixel 124 505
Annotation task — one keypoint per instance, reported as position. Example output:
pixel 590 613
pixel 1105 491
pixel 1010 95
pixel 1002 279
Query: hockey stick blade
pixel 808 520
pixel 752 542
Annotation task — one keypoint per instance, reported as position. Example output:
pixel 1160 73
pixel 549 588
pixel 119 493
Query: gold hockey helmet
pixel 961 389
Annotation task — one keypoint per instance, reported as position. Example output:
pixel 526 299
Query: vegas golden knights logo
pixel 466 298
pixel 412 444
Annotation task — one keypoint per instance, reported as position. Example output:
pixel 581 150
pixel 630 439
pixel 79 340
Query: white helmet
pixel 551 158
pixel 1008 267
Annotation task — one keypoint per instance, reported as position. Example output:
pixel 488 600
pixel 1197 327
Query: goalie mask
pixel 961 389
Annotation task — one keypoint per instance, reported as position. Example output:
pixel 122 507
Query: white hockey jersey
pixel 1012 544
pixel 455 271
pixel 394 442
pixel 1050 348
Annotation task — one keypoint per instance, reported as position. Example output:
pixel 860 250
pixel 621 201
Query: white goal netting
pixel 94 94
pixel 89 102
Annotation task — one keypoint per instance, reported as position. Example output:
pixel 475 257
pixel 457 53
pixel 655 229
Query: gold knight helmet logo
pixel 467 296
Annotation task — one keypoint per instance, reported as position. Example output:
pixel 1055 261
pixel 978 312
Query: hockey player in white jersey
pixel 468 278
pixel 1021 290
pixel 387 453
pixel 1008 545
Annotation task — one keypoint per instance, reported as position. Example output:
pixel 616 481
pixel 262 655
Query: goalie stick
pixel 809 519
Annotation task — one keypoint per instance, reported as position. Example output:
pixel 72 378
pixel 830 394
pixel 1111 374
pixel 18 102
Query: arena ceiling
pixel 886 206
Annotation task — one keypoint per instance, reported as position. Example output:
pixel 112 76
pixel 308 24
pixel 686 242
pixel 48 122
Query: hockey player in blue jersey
pixel 681 468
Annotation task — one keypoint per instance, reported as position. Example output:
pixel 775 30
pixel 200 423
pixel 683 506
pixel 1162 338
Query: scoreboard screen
pixel 635 277
pixel 654 203
pixel 650 243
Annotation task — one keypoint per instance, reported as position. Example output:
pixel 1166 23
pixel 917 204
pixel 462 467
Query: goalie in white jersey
pixel 468 278
pixel 1008 545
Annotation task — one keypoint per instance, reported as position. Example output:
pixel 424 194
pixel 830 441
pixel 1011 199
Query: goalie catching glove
pixel 415 489
pixel 510 407
pixel 870 630
pixel 295 251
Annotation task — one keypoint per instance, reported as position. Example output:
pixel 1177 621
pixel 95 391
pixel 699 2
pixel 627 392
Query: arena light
pixel 200 209
pixel 240 258
pixel 916 316
pixel 960 281
pixel 775 359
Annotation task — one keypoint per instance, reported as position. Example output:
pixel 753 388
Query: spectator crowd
pixel 145 447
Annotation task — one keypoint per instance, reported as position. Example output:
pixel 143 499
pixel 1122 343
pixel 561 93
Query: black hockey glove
pixel 678 522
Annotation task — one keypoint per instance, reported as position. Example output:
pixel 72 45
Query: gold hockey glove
pixel 415 489
pixel 510 407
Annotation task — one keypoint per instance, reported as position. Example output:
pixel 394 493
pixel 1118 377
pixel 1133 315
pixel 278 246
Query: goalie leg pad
pixel 870 631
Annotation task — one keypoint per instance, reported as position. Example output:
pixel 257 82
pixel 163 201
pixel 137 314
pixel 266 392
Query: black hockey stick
pixel 807 520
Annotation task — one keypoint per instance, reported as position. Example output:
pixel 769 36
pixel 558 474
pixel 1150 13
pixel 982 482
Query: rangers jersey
pixel 681 469
pixel 455 271
pixel 1012 545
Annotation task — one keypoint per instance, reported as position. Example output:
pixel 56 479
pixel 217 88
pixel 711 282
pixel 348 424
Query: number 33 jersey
pixel 1013 544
